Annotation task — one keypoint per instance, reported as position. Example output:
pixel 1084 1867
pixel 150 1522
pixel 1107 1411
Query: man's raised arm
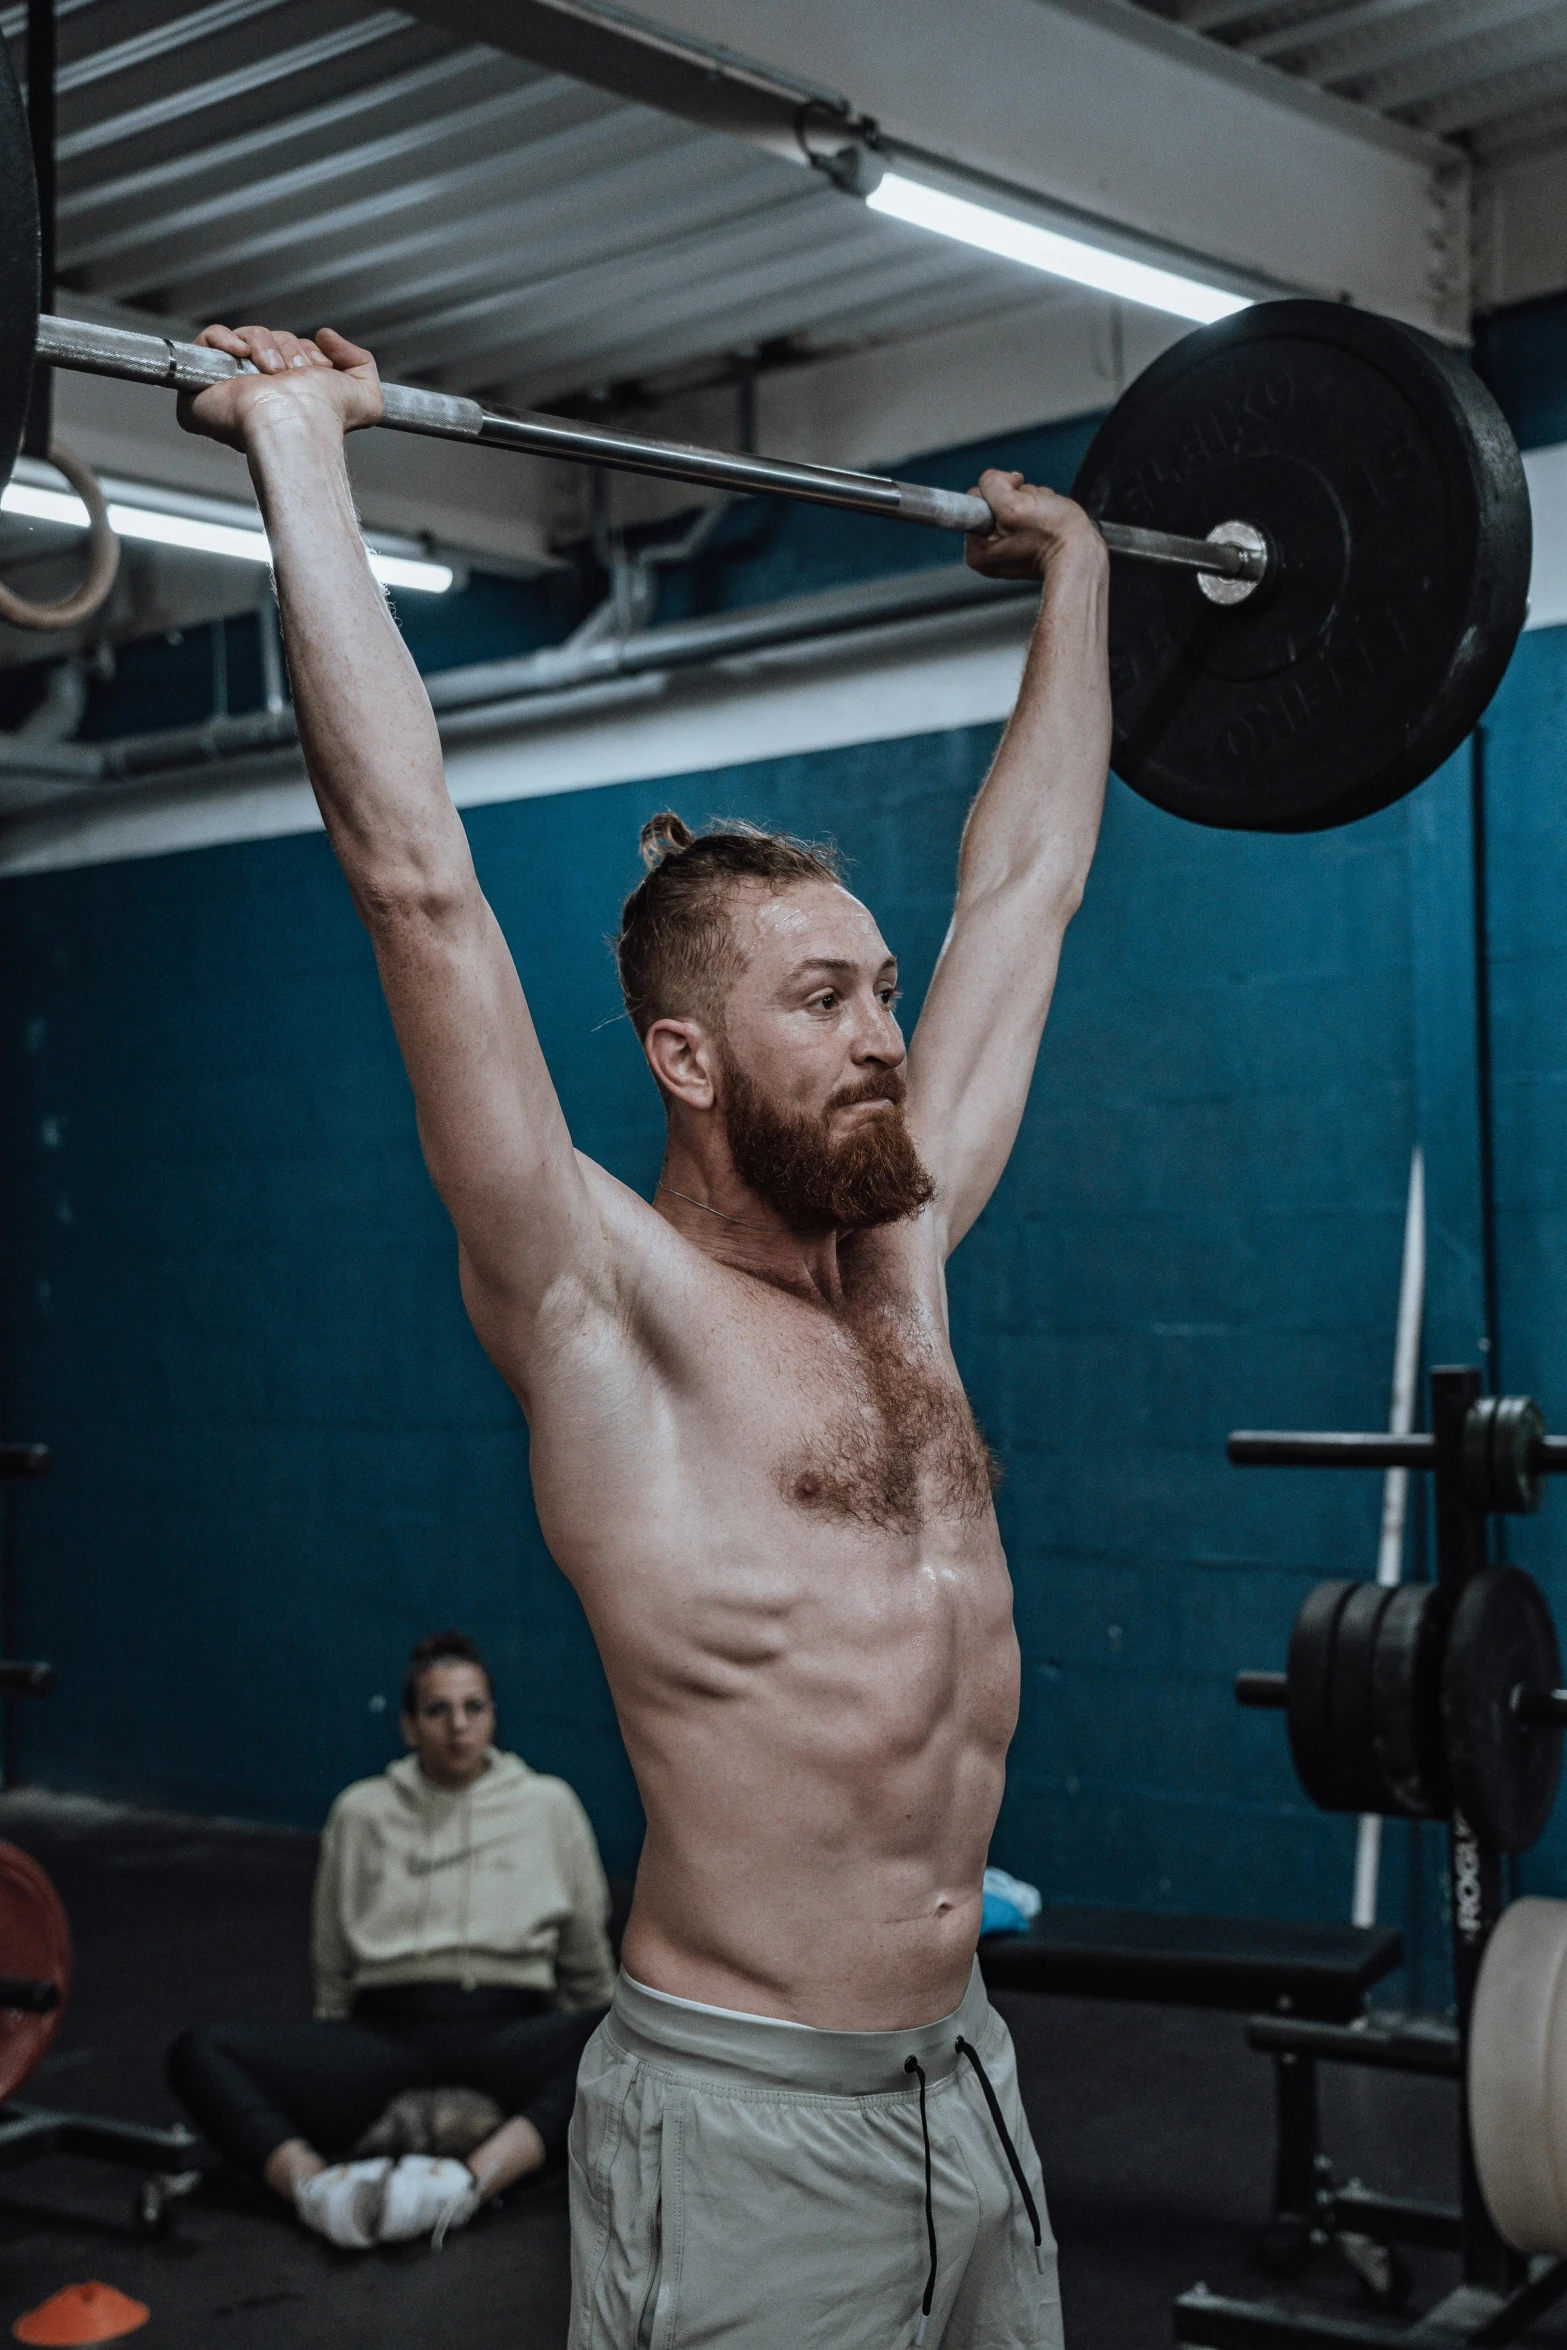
pixel 1027 847
pixel 491 1126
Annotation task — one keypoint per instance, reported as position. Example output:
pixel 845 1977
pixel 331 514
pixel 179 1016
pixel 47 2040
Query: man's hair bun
pixel 661 836
pixel 677 950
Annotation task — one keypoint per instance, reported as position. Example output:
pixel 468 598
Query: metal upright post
pixel 1474 1868
pixel 1298 2179
pixel 1460 1527
pixel 40 123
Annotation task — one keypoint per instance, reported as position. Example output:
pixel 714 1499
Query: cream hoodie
pixel 500 1883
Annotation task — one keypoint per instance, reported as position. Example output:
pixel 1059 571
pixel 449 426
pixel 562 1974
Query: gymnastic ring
pixel 103 556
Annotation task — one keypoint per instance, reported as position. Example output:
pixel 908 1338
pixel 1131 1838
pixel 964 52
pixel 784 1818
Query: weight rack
pixel 1488 1456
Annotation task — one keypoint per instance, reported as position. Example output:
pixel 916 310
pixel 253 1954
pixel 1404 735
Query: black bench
pixel 1317 1975
pixel 1248 1965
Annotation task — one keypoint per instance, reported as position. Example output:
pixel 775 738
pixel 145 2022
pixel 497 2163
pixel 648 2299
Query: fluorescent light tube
pixel 432 579
pixel 183 530
pixel 1045 248
pixel 203 538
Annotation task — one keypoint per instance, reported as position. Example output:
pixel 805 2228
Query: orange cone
pixel 82 2313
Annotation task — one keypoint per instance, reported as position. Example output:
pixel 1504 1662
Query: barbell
pixel 1317 517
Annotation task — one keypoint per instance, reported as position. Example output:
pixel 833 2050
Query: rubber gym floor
pixel 1154 2127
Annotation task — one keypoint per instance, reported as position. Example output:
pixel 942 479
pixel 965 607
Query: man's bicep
pixel 490 1122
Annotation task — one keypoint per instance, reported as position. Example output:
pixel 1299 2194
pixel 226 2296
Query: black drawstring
pixel 914 2066
pixel 965 2048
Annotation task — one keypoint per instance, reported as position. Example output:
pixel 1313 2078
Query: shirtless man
pixel 751 1452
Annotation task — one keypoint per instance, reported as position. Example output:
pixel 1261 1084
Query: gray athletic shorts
pixel 746 2183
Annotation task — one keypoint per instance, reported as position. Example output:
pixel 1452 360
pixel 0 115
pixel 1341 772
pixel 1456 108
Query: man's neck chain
pixel 723 1215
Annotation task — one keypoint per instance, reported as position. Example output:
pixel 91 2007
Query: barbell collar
pixel 1270 1689
pixel 1217 558
pixel 88 349
pixel 1502 1469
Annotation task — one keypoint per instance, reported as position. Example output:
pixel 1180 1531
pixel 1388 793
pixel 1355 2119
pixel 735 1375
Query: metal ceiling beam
pixel 13 21
pixel 573 345
pixel 1484 70
pixel 704 82
pixel 751 309
pixel 1514 33
pixel 205 163
pixel 1325 29
pixel 647 318
pixel 1212 16
pixel 1399 52
pixel 284 265
pixel 1201 158
pixel 1494 97
pixel 159 40
pixel 380 288
pixel 164 247
pixel 154 231
pixel 674 273
pixel 179 104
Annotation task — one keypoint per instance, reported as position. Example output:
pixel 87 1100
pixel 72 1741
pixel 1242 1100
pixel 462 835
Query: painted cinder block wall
pixel 228 1297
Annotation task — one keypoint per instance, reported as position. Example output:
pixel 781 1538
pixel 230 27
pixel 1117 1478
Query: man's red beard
pixel 843 1183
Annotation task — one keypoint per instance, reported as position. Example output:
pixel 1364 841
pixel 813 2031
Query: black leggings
pixel 250 2086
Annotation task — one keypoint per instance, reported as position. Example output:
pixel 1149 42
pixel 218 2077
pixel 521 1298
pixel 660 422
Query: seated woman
pixel 459 1944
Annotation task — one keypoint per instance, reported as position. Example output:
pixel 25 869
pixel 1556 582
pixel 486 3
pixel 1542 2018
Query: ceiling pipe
pixel 489 695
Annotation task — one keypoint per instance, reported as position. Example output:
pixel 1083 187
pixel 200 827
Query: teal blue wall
pixel 229 1297
pixel 1522 353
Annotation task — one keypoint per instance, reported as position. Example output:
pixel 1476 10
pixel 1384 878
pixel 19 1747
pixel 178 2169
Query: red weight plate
pixel 35 1944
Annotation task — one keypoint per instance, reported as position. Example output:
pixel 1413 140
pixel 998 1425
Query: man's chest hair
pixel 886 1436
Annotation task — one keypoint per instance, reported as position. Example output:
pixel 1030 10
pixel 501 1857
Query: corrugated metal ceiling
pixel 1491 75
pixel 485 225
